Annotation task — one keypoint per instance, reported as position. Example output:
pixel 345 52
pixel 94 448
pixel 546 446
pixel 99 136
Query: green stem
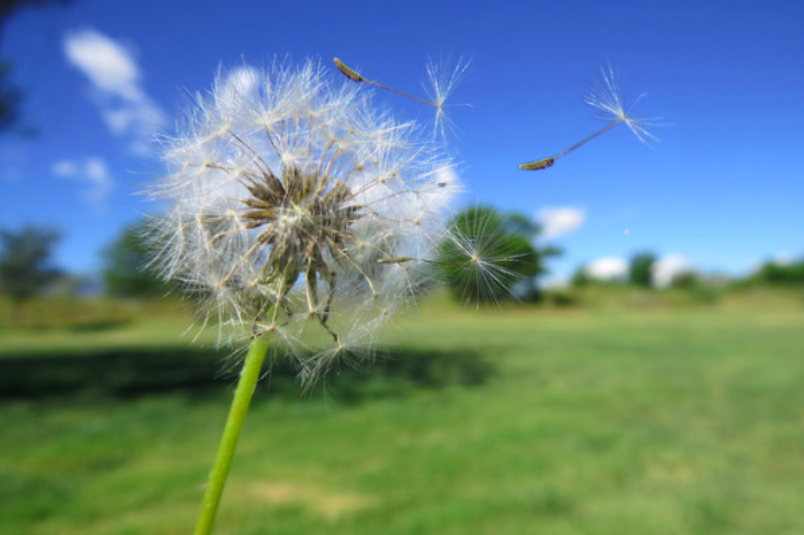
pixel 231 433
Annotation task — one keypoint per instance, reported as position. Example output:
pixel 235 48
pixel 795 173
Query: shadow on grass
pixel 127 373
pixel 75 326
pixel 98 325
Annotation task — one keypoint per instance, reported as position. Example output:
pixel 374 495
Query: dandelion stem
pixel 231 433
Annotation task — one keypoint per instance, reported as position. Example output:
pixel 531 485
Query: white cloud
pixel 783 259
pixel 560 221
pixel 92 173
pixel 607 268
pixel 240 82
pixel 669 267
pixel 109 66
pixel 447 185
pixel 115 76
pixel 65 168
pixel 554 282
pixel 447 177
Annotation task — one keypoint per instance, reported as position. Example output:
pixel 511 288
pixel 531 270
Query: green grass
pixel 506 422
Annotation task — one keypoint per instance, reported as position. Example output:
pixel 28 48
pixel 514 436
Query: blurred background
pixel 644 375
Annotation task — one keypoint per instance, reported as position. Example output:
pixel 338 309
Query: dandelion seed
pixel 442 82
pixel 480 258
pixel 605 96
pixel 357 77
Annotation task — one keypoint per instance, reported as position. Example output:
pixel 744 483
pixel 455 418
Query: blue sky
pixel 722 191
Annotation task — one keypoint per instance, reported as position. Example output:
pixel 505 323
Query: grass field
pixel 667 421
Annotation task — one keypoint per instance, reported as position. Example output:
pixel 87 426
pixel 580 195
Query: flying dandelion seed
pixel 482 259
pixel 357 77
pixel 442 82
pixel 605 95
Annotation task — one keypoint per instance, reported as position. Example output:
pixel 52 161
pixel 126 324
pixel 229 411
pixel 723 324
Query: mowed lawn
pixel 687 421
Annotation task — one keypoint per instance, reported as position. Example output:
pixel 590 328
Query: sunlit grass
pixel 608 421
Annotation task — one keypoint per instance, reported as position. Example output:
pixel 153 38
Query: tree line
pixel 28 270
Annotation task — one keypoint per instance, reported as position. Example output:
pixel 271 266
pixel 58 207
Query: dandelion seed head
pixel 287 198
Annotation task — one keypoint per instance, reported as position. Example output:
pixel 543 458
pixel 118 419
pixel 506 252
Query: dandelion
pixel 605 96
pixel 298 212
pixel 286 199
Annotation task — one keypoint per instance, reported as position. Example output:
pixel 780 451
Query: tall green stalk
pixel 231 433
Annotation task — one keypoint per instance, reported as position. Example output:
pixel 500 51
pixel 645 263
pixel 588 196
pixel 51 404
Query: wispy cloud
pixel 92 173
pixel 560 221
pixel 668 268
pixel 13 160
pixel 782 259
pixel 116 80
pixel 607 268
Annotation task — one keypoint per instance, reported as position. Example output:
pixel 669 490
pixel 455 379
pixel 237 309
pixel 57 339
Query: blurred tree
pixel 73 285
pixel 580 278
pixel 521 225
pixel 7 7
pixel 25 263
pixel 781 274
pixel 701 288
pixel 9 94
pixel 125 272
pixel 507 261
pixel 9 98
pixel 640 272
pixel 687 280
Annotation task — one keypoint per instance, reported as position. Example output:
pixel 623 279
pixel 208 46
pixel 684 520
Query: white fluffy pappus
pixel 294 203
pixel 605 95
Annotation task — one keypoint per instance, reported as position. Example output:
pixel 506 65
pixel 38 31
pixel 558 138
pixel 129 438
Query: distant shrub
pixel 563 299
pixel 701 289
pixel 501 252
pixel 125 273
pixel 640 270
pixel 778 274
pixel 26 262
